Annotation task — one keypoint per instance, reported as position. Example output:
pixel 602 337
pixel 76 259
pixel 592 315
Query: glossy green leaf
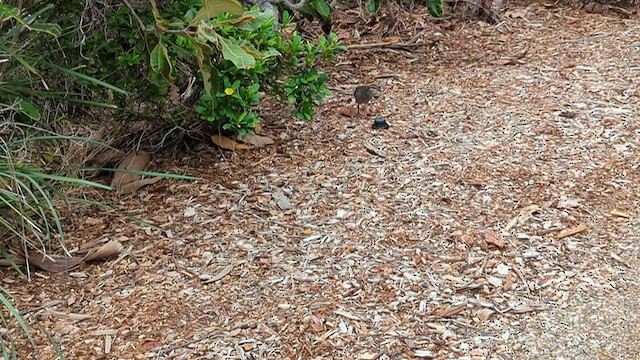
pixel 253 20
pixel 160 62
pixel 213 8
pixel 373 6
pixel 234 53
pixel 322 8
pixel 207 33
pixel 435 8
pixel 209 76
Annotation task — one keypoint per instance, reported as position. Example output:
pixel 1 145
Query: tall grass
pixel 29 190
pixel 38 83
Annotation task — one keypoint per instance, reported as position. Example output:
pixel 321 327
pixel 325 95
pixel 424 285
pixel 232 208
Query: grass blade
pixel 91 80
pixel 17 316
pixel 145 173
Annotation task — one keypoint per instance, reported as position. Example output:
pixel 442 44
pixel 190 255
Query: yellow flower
pixel 228 91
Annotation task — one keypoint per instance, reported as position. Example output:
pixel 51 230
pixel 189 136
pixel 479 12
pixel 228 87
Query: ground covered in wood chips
pixel 496 219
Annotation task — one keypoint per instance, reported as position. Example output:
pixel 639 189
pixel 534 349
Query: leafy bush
pixel 235 56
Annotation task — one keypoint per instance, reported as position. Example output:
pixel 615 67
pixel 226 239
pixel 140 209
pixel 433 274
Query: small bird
pixel 364 94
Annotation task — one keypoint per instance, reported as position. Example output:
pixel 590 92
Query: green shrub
pixel 156 50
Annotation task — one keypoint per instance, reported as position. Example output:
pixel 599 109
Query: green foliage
pixel 234 104
pixel 317 9
pixel 246 60
pixel 373 6
pixel 27 199
pixel 435 8
pixel 224 47
pixel 213 8
pixel 30 71
pixel 16 74
pixel 304 91
pixel 239 58
pixel 306 86
pixel 118 56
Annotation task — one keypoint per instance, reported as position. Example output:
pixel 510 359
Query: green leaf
pixel 209 77
pixel 24 63
pixel 7 13
pixel 213 8
pixel 51 29
pixel 270 52
pixel 160 62
pixel 373 6
pixel 322 8
pixel 207 33
pixel 234 53
pixel 435 8
pixel 249 49
pixel 7 305
pixel 137 172
pixel 254 20
pixel 26 107
pixel 206 80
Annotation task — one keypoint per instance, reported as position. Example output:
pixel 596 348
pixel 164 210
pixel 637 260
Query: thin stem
pixel 137 18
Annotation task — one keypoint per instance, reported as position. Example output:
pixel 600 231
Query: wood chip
pixel 206 279
pixel 493 238
pixel 436 239
pixel 67 315
pixel 348 315
pixel 281 200
pixel 373 150
pixel 573 231
pixel 620 213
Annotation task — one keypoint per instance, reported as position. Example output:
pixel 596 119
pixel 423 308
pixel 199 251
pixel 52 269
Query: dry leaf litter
pixel 499 222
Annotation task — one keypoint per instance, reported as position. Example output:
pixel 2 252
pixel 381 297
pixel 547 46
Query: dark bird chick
pixel 364 94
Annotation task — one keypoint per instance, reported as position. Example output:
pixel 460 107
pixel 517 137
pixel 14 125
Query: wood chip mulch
pixel 506 185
